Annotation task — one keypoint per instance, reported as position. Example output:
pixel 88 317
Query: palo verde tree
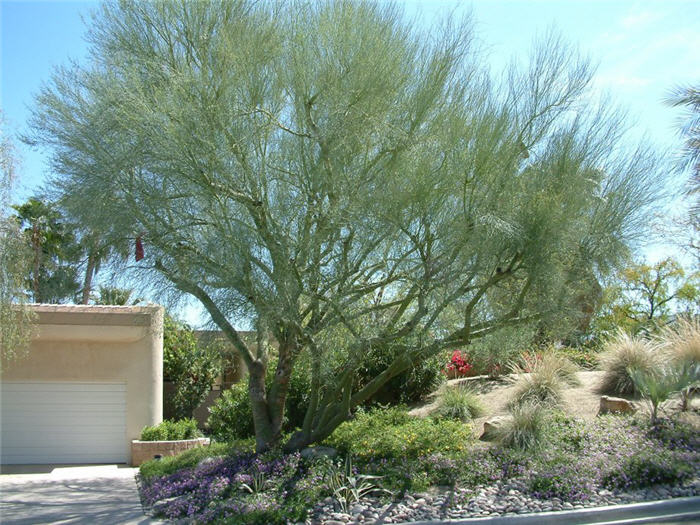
pixel 342 179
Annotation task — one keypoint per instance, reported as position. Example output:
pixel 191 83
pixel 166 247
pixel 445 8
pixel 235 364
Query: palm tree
pixel 690 98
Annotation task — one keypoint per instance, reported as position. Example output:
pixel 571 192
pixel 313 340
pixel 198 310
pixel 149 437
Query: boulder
pixel 615 405
pixel 318 452
pixel 491 427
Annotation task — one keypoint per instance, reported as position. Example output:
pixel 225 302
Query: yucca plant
pixel 347 486
pixel 656 386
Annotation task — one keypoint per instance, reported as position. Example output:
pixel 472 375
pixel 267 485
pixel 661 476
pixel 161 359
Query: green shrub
pixel 646 468
pixel 171 431
pixel 392 433
pixel 584 357
pixel 525 429
pixel 190 458
pixel 231 416
pixel 458 402
pixel 411 385
pixel 496 353
pixel 191 367
pixel 621 354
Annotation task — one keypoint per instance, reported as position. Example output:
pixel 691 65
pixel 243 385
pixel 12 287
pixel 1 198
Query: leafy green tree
pixel 644 296
pixel 341 179
pixel 190 366
pixel 111 295
pixel 15 318
pixel 53 275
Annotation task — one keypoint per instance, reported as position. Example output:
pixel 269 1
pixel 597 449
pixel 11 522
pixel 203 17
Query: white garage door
pixel 62 423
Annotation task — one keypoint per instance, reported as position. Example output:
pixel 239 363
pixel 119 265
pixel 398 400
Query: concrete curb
pixel 665 511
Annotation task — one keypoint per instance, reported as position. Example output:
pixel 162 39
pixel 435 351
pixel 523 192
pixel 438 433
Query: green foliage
pixel 495 354
pixel 622 354
pixel 459 403
pixel 682 343
pixel 583 356
pixel 190 458
pixel 171 431
pixel 644 296
pixel 15 318
pixel 112 295
pixel 561 480
pixel 657 385
pixel 55 252
pixel 392 433
pixel 346 485
pixel 231 416
pixel 190 366
pixel 647 468
pixel 525 429
pixel 409 386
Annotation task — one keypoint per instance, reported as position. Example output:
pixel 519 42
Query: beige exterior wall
pixel 119 344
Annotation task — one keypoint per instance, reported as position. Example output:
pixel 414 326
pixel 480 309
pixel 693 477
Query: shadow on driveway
pixel 75 495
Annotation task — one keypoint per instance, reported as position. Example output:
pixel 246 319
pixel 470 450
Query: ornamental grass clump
pixel 525 429
pixel 543 387
pixel 550 363
pixel 622 354
pixel 458 402
pixel 681 342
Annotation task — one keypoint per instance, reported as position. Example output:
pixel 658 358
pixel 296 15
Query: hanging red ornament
pixel 138 255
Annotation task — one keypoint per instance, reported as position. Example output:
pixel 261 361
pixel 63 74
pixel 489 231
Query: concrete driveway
pixel 102 494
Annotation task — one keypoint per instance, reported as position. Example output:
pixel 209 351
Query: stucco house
pixel 90 380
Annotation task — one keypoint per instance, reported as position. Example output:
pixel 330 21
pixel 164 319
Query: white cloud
pixel 639 20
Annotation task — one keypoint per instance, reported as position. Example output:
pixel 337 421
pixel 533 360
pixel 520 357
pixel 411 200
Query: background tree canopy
pixel 346 181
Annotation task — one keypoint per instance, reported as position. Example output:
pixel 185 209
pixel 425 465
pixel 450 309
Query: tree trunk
pixel 89 274
pixel 36 244
pixel 264 432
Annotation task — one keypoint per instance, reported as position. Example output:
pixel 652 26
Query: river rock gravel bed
pixel 508 498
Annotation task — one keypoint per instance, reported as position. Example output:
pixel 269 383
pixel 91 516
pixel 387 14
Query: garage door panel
pixel 42 386
pixel 63 423
pixel 61 398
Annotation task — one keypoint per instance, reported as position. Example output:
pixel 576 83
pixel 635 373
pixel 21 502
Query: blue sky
pixel 643 49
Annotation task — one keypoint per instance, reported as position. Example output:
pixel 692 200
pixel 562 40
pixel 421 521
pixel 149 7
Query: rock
pixel 615 405
pixel 208 460
pixel 318 452
pixel 491 427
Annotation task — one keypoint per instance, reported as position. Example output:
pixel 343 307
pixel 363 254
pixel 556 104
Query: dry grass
pixel 622 353
pixel 525 429
pixel 682 341
pixel 458 402
pixel 544 385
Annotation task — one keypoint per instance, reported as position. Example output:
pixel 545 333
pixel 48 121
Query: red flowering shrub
pixel 458 364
